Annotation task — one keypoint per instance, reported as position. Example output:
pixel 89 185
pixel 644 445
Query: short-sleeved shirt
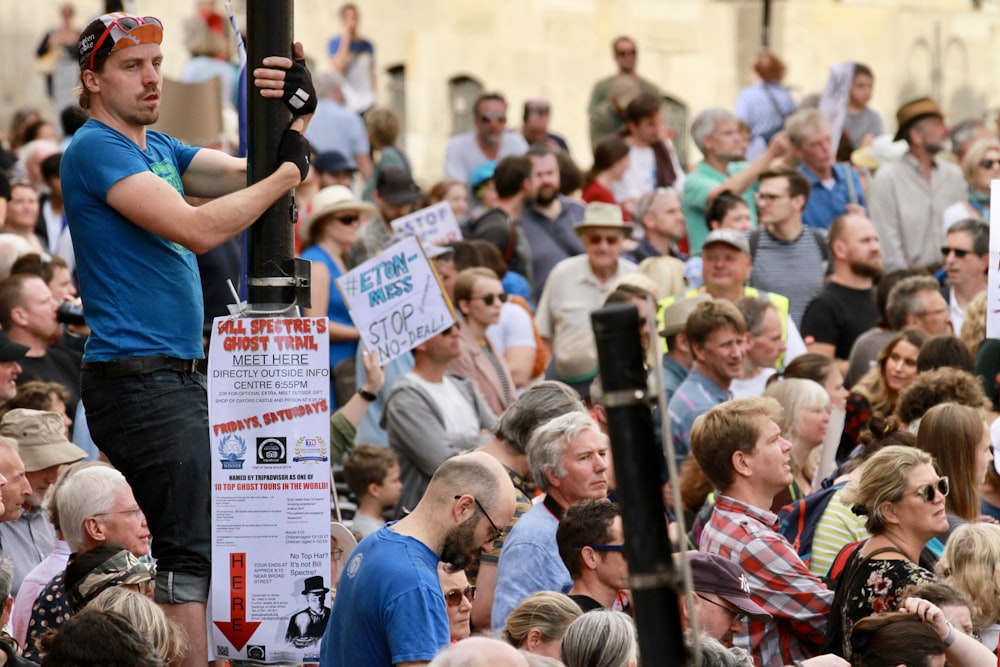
pixel 838 315
pixel 828 202
pixel 542 234
pixel 389 607
pixel 143 292
pixel 358 86
pixel 792 268
pixel 463 153
pixel 337 128
pixel 694 200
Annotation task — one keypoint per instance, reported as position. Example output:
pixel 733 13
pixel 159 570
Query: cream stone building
pixel 434 56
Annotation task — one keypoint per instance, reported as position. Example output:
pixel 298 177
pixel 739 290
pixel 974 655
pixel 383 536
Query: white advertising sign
pixel 435 224
pixel 395 300
pixel 269 398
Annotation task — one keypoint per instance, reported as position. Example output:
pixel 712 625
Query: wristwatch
pixel 367 395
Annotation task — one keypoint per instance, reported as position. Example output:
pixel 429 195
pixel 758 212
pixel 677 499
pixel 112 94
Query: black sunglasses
pixel 958 251
pixel 454 598
pixel 989 164
pixel 347 219
pixel 929 491
pixel 614 548
pixel 490 298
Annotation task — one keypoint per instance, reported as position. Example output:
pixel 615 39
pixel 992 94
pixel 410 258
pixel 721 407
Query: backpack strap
pixel 754 242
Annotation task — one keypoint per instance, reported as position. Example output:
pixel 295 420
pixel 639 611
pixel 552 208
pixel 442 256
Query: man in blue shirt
pixel 716 332
pixel 836 188
pixel 389 609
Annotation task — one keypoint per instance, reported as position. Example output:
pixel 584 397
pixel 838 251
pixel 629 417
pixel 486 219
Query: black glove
pixel 299 93
pixel 295 149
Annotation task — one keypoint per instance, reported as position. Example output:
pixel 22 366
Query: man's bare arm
pixel 743 180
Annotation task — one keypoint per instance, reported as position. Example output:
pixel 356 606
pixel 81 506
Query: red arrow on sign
pixel 238 630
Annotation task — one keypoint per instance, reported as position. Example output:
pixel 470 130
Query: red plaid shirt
pixel 779 582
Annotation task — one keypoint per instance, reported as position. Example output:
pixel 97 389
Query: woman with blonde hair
pixel 980 166
pixel 538 624
pixel 902 496
pixel 806 417
pixel 973 331
pixel 166 636
pixel 971 564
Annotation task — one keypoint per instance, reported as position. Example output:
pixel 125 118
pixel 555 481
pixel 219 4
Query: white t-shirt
pixel 513 330
pixel 459 415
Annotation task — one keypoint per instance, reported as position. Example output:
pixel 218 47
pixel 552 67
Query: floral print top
pixel 876 586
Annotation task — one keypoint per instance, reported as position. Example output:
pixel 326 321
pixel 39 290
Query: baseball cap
pixel 396 187
pixel 711 573
pixel 730 237
pixel 41 438
pixel 333 161
pixel 11 351
pixel 482 173
pixel 111 32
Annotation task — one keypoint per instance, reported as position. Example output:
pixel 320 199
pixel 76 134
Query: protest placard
pixel 269 415
pixel 396 300
pixel 993 277
pixel 435 224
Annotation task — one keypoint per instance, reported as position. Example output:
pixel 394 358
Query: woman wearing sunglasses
pixel 958 438
pixel 980 166
pixel 902 496
pixel 458 596
pixel 479 295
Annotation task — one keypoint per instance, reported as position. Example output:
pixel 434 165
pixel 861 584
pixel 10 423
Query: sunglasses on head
pixel 929 491
pixel 125 24
pixel 958 251
pixel 454 598
pixel 490 299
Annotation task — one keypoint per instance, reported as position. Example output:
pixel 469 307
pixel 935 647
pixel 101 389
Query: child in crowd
pixel 372 474
pixel 861 124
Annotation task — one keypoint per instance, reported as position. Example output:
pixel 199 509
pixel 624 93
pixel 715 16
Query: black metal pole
pixel 271 249
pixel 765 26
pixel 638 461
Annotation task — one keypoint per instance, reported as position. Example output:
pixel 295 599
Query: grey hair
pixel 704 124
pixel 645 202
pixel 12 247
pixel 714 654
pixel 600 637
pixel 904 299
pixel 88 492
pixel 549 441
pixel 540 403
pixel 963 130
pixel 327 81
pixel 754 308
pixel 802 121
pixel 978 230
pixel 6 578
pixel 536 660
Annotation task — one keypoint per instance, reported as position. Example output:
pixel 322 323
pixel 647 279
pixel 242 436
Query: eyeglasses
pixel 737 615
pixel 989 164
pixel 497 532
pixel 945 250
pixel 614 548
pixel 454 598
pixel 125 24
pixel 336 553
pixel 488 299
pixel 928 491
pixel 768 198
pixel 610 239
pixel 134 512
pixel 492 117
pixel 621 53
pixel 347 219
pixel 447 332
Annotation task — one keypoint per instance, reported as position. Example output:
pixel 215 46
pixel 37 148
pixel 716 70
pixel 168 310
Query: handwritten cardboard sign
pixel 435 224
pixel 395 299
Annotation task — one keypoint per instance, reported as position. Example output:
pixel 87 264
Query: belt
pixel 116 368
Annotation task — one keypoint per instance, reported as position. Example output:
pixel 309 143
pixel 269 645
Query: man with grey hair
pixel 568 458
pixel 480 652
pixel 541 403
pixel 836 188
pixel 964 133
pixel 659 212
pixel 335 127
pixel 966 253
pixel 95 506
pixel 716 133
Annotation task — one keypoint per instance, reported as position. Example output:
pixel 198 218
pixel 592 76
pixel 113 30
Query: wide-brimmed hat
pixel 576 357
pixel 41 438
pixel 676 315
pixel 914 110
pixel 711 573
pixel 602 215
pixel 329 200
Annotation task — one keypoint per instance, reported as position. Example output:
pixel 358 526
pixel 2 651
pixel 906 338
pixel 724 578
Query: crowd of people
pixel 811 302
